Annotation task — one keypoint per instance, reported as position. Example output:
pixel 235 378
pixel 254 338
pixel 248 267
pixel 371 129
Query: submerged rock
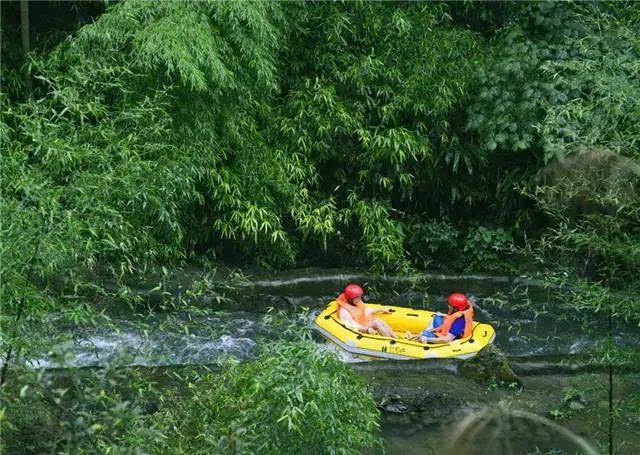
pixel 435 387
pixel 409 389
pixel 393 405
pixel 491 364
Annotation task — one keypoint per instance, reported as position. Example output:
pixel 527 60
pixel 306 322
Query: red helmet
pixel 458 301
pixel 352 291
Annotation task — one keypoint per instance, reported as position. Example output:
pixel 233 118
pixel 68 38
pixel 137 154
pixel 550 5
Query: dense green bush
pixel 488 249
pixel 371 97
pixel 592 202
pixel 433 244
pixel 292 398
pixel 560 75
pixel 140 146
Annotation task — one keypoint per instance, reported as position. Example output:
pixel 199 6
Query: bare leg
pixel 383 328
pixel 441 339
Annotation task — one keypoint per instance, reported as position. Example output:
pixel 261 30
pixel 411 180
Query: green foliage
pixel 140 146
pixel 590 246
pixel 163 130
pixel 27 420
pixel 135 142
pixel 594 221
pixel 594 297
pixel 382 236
pixel 77 413
pixel 548 91
pixel 291 398
pixel 433 243
pixel 487 249
pixel 370 92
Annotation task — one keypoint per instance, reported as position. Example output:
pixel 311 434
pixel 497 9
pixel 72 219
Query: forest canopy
pixel 390 135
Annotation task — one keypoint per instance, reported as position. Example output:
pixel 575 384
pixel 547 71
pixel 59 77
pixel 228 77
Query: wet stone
pixel 491 364
pixel 396 408
pixel 576 405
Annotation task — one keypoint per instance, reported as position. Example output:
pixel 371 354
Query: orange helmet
pixel 458 301
pixel 352 291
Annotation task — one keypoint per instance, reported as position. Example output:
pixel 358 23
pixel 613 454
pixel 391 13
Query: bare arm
pixel 369 311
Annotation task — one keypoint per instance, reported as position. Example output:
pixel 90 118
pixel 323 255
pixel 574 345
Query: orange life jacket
pixel 356 311
pixel 450 318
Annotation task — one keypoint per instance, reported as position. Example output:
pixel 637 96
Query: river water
pixel 548 344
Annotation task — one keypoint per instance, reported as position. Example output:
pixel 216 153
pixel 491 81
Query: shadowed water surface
pixel 519 309
pixel 541 337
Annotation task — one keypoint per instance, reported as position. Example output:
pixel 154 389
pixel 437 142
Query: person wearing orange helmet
pixel 354 313
pixel 457 323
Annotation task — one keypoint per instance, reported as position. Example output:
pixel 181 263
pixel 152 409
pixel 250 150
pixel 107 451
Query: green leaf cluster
pixel 292 398
pixel 560 75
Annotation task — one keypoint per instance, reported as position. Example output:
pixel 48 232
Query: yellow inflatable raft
pixel 402 320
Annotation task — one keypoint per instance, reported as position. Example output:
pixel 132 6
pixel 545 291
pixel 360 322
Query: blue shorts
pixel 438 320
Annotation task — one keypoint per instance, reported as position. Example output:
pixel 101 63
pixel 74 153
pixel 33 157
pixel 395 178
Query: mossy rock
pixel 491 364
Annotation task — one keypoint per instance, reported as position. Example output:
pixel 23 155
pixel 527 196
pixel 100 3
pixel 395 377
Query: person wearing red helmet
pixel 457 323
pixel 353 312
